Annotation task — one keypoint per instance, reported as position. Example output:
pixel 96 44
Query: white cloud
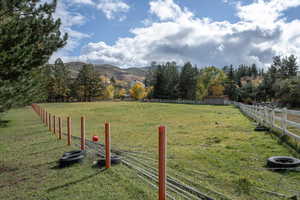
pixel 168 10
pixel 180 36
pixel 68 21
pixel 265 13
pixel 113 8
pixel 88 2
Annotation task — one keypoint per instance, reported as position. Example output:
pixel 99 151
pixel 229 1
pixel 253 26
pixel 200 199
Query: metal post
pixel 46 117
pixel 69 124
pixel 107 145
pixel 50 122
pixel 162 162
pixel 54 124
pixel 59 128
pixel 82 120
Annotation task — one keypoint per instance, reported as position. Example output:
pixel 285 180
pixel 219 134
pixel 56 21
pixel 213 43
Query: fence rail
pixel 273 118
pixel 196 102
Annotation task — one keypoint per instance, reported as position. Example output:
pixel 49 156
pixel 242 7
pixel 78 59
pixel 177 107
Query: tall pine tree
pixel 29 36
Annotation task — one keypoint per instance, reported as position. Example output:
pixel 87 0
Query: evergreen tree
pixel 29 36
pixel 88 83
pixel 166 78
pixel 187 82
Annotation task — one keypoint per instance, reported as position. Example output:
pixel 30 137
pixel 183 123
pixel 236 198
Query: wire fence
pixel 190 182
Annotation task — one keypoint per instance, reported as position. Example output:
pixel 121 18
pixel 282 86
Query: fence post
pixel 46 118
pixel 50 122
pixel 54 124
pixel 266 115
pixel 107 145
pixel 82 120
pixel 284 120
pixel 42 116
pixel 69 124
pixel 273 118
pixel 162 162
pixel 59 128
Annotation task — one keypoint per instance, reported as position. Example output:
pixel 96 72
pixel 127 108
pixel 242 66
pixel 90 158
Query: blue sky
pixel 132 33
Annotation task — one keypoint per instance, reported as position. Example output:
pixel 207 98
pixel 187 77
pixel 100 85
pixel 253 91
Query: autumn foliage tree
pixel 108 92
pixel 138 91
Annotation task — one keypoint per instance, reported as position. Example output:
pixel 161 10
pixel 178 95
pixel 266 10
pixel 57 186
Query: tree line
pixel 244 83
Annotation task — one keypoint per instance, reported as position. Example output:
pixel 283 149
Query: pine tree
pixel 29 36
pixel 187 82
pixel 88 83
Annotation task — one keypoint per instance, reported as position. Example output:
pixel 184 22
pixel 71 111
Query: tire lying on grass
pixel 261 128
pixel 74 152
pixel 282 162
pixel 114 161
pixel 71 157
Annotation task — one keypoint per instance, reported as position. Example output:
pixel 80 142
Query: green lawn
pixel 209 147
pixel 212 148
pixel 28 155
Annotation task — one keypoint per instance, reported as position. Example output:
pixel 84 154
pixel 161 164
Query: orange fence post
pixel 82 120
pixel 59 128
pixel 46 117
pixel 69 124
pixel 107 145
pixel 54 124
pixel 50 122
pixel 162 162
pixel 43 120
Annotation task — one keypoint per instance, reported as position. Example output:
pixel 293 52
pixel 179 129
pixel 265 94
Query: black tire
pixel 74 152
pixel 114 161
pixel 283 162
pixel 261 128
pixel 70 159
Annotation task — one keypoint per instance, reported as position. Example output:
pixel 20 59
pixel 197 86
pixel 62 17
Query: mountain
pixel 128 74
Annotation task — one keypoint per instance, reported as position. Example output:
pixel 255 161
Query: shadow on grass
pixel 44 142
pixel 45 151
pixel 3 123
pixel 75 182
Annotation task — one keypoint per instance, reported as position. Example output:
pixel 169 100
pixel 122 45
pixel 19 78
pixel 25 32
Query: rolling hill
pixel 128 74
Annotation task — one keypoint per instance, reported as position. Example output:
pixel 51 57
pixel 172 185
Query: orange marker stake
pixel 82 122
pixel 59 128
pixel 69 124
pixel 162 162
pixel 107 145
pixel 50 122
pixel 54 124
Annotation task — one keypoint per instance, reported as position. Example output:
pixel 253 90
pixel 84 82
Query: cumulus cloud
pixel 178 35
pixel 69 20
pixel 113 8
pixel 88 2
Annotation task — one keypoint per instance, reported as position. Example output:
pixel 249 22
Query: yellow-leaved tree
pixel 138 91
pixel 122 93
pixel 108 92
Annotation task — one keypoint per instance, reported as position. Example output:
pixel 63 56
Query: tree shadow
pixel 76 181
pixel 4 123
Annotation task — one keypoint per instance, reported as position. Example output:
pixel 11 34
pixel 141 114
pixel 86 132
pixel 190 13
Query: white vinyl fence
pixel 182 101
pixel 273 118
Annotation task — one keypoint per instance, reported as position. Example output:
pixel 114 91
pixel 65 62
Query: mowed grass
pixel 213 148
pixel 28 167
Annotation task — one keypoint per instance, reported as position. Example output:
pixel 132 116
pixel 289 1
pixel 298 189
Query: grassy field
pixel 28 167
pixel 210 147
